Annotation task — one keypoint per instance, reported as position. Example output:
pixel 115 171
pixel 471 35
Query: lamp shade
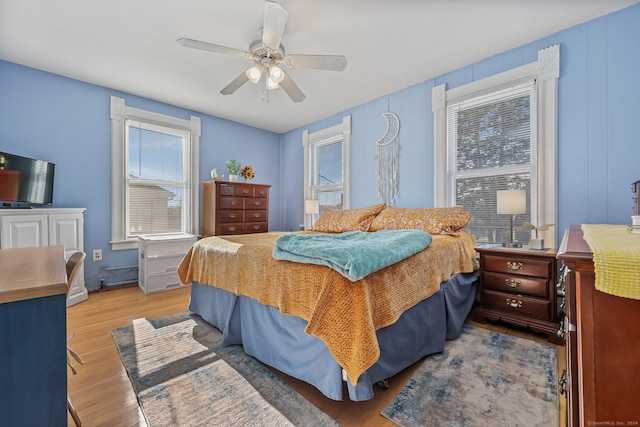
pixel 512 202
pixel 311 207
pixel 254 73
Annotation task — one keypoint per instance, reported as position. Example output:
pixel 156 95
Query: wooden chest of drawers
pixel 235 208
pixel 518 286
pixel 602 344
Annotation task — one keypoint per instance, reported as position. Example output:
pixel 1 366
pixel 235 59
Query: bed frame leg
pixel 384 384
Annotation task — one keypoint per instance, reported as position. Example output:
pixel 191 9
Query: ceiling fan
pixel 268 57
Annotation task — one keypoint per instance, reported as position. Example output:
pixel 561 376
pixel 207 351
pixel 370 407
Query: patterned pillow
pixel 432 220
pixel 340 221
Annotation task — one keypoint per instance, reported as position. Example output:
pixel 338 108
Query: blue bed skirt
pixel 279 340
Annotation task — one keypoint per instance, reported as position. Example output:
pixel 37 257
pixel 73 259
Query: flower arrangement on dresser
pixel 247 173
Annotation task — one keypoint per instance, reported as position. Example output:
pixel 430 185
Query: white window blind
pixel 157 178
pixel 491 146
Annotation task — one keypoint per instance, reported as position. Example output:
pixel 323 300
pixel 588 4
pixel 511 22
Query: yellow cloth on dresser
pixel 343 314
pixel 616 259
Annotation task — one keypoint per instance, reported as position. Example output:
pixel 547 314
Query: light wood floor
pixel 102 392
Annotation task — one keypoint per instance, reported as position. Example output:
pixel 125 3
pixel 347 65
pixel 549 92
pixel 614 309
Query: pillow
pixel 432 220
pixel 340 221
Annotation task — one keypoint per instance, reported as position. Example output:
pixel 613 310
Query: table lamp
pixel 311 207
pixel 511 202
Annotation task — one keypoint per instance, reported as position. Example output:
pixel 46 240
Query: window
pixel 491 146
pixel 154 174
pixel 326 160
pixel 495 134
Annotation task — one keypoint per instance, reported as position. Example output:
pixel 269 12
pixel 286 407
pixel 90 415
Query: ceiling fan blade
pixel 292 89
pixel 235 84
pixel 318 62
pixel 275 18
pixel 197 44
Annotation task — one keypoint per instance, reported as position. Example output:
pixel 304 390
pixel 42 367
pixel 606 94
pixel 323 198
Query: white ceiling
pixel 130 45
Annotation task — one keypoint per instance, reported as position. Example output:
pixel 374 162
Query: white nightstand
pixel 159 256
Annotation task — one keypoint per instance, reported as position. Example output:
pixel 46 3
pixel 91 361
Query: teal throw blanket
pixel 354 254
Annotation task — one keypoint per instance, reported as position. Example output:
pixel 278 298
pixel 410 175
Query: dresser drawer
pixel 517 265
pixel 517 304
pixel 261 192
pixel 231 202
pixel 515 284
pixel 256 203
pixel 231 228
pixel 255 216
pixel 226 190
pixel 255 227
pixel 244 191
pixel 231 216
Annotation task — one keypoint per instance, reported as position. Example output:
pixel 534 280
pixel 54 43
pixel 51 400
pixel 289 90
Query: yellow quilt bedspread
pixel 616 259
pixel 343 314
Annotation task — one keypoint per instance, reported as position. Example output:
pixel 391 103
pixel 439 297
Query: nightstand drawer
pixel 518 265
pixel 515 284
pixel 517 304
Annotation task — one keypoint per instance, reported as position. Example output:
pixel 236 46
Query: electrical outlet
pixel 97 254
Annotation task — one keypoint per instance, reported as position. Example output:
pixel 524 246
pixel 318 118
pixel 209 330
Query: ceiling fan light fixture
pixel 271 84
pixel 276 74
pixel 254 73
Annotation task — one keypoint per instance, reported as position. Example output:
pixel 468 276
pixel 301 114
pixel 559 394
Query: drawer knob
pixel 233 202
pixel 232 215
pixel 231 228
pixel 261 192
pixel 256 227
pixel 515 303
pixel 245 191
pixel 256 215
pixel 512 282
pixel 514 265
pixel 562 304
pixel 256 203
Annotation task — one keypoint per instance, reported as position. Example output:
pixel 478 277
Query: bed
pixel 312 323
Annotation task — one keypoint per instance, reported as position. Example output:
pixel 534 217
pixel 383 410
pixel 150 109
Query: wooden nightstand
pixel 518 286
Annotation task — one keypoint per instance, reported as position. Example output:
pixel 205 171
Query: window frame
pixel 119 115
pixel 545 71
pixel 311 142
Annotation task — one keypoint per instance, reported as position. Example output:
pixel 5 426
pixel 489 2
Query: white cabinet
pixel 158 258
pixel 25 228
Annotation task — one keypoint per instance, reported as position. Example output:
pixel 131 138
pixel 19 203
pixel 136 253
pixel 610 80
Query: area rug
pixel 182 376
pixel 482 378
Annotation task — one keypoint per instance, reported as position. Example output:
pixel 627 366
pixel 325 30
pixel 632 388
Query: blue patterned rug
pixel 482 378
pixel 182 376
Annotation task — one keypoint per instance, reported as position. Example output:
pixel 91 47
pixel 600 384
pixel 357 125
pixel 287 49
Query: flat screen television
pixel 25 181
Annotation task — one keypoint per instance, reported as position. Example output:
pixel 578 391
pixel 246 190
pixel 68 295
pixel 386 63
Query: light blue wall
pixel 598 132
pixel 66 122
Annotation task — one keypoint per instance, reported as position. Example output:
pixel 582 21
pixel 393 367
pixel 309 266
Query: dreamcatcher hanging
pixel 387 156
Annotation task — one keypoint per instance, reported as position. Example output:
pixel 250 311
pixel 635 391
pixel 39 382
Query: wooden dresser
pixel 602 338
pixel 235 208
pixel 518 286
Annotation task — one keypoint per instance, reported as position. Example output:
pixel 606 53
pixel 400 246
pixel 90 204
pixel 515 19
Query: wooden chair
pixel 74 263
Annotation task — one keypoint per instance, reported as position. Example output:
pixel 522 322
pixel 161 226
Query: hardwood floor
pixel 102 392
